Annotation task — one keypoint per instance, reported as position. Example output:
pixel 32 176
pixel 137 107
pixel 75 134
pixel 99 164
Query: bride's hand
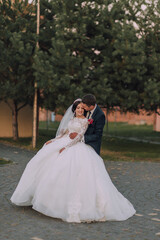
pixel 73 135
pixel 61 150
pixel 48 142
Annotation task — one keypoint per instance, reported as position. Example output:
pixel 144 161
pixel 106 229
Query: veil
pixel 66 118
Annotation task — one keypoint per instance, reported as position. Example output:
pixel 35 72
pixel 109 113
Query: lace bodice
pixel 78 125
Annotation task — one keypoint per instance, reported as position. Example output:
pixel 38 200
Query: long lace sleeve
pixel 84 126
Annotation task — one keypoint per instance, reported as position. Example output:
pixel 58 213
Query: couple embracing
pixel 67 178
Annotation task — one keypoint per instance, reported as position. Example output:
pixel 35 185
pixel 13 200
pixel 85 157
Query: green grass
pixel 44 136
pixel 48 125
pixel 119 129
pixel 122 129
pixel 123 149
pixel 4 161
pixel 113 148
pixel 118 149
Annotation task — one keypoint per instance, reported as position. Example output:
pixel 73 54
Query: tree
pixel 94 48
pixel 145 17
pixel 108 48
pixel 17 43
pixel 151 35
pixel 72 64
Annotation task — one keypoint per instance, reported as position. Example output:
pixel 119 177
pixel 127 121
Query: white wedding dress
pixel 73 185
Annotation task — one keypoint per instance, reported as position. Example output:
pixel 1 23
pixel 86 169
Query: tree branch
pixel 23 105
pixel 8 104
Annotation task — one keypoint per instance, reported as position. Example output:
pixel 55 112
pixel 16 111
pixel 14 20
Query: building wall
pixel 131 118
pixel 24 121
pixel 157 123
pixel 45 115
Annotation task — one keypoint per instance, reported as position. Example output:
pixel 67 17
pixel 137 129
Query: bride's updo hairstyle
pixel 75 104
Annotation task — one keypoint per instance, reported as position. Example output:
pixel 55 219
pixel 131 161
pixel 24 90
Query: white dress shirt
pixel 91 113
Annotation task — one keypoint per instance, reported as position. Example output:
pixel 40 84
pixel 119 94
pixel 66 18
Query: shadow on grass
pixel 4 161
pixel 44 136
pixel 123 129
pixel 118 149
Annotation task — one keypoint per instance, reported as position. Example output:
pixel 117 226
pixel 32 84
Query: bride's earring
pixel 74 113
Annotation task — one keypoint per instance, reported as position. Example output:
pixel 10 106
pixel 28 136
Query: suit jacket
pixel 93 135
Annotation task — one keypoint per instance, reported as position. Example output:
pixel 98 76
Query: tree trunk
pixel 107 119
pixel 34 134
pixel 35 111
pixel 38 115
pixel 15 121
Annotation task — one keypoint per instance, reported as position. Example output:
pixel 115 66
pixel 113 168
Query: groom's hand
pixel 73 135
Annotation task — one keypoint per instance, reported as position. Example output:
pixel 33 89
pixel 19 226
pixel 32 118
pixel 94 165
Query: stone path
pixel 138 181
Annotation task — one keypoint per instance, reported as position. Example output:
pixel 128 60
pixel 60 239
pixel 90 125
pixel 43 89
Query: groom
pixel 96 118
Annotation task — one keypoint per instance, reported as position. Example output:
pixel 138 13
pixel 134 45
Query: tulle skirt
pixel 73 185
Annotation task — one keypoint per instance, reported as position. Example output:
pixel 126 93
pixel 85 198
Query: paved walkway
pixel 138 181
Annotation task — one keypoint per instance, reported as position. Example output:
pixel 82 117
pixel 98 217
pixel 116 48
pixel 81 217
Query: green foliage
pixel 108 48
pixel 17 42
pixel 146 17
pixel 96 47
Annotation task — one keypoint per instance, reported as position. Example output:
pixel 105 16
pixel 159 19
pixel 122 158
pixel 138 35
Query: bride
pixel 67 179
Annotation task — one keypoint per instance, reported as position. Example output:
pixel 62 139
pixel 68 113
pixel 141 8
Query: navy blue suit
pixel 93 135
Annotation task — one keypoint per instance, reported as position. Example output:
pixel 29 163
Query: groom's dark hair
pixel 89 100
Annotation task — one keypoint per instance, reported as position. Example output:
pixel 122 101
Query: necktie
pixel 89 114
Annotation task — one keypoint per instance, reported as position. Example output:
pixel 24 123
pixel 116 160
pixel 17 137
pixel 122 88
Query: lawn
pixel 121 149
pixel 113 148
pixel 4 161
pixel 116 148
pixel 122 129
